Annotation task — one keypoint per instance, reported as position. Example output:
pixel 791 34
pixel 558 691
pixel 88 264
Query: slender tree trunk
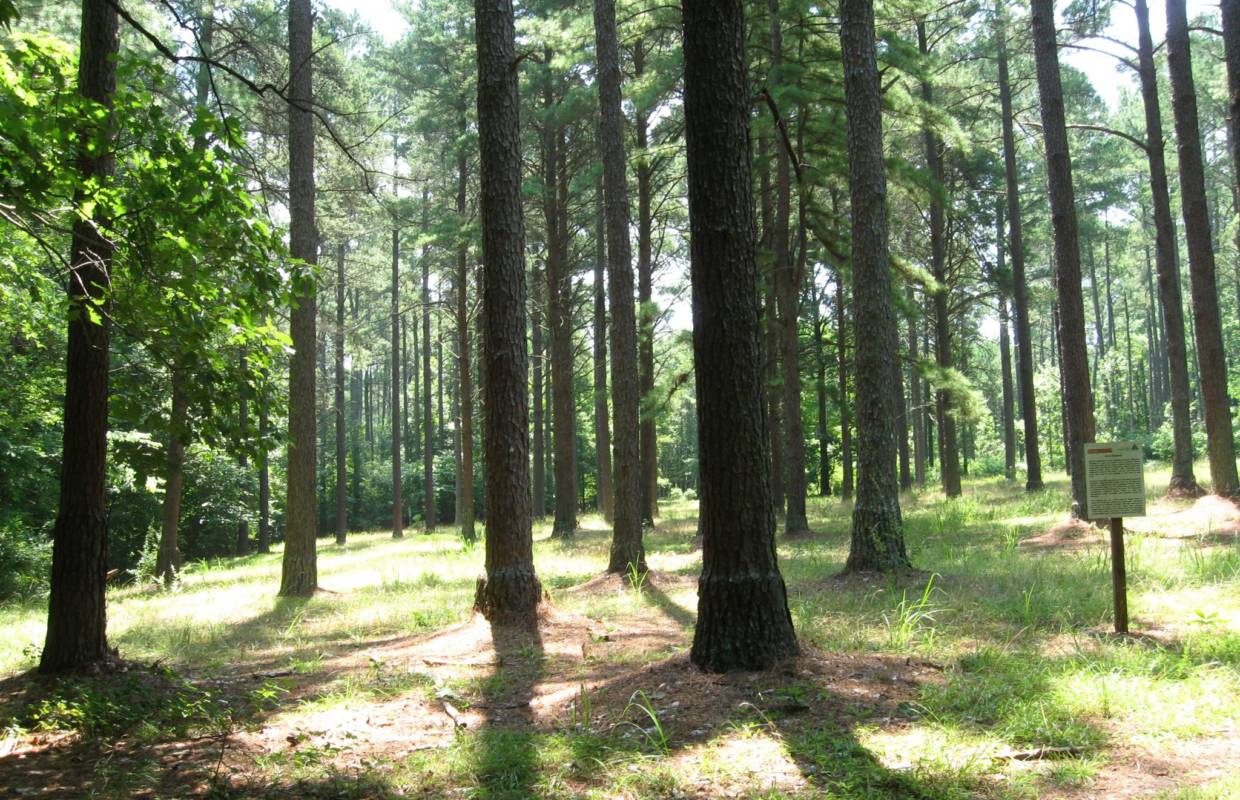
pixel 398 499
pixel 627 548
pixel 1005 355
pixel 540 439
pixel 299 577
pixel 355 415
pixel 510 592
pixel 243 424
pixel 428 419
pixel 465 367
pixel 1020 301
pixel 602 422
pixel 877 530
pixel 168 559
pixel 1211 357
pixel 949 460
pixel 264 478
pixel 743 618
pixel 1074 366
pixel 649 446
pixel 841 350
pixel 820 388
pixel 919 417
pixel 1183 481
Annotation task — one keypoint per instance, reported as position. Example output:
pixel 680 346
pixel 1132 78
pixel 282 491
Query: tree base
pixel 509 597
pixel 1184 489
pixel 1034 486
pixel 743 623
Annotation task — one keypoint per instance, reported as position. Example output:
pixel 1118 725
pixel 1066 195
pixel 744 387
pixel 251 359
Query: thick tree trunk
pixel 510 592
pixel 1211 357
pixel 877 530
pixel 649 446
pixel 627 548
pixel 168 558
pixel 1183 481
pixel 949 460
pixel 602 421
pixel 1074 366
pixel 299 577
pixel 1020 301
pixel 465 519
pixel 743 618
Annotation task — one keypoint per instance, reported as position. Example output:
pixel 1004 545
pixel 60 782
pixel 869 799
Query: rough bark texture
pixel 168 557
pixel 626 547
pixel 602 421
pixel 1211 357
pixel 1074 365
pixel 949 458
pixel 465 367
pixel 649 446
pixel 76 614
pixel 299 577
pixel 1183 481
pixel 743 618
pixel 509 593
pixel 1016 247
pixel 877 530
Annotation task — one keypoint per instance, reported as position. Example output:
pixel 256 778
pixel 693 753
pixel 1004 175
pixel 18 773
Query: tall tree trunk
pixel 649 447
pixel 264 477
pixel 877 530
pixel 1074 365
pixel 1211 357
pixel 820 388
pixel 465 367
pixel 1020 300
pixel 398 499
pixel 602 422
pixel 787 291
pixel 168 558
pixel 918 401
pixel 243 425
pixel 743 618
pixel 627 548
pixel 428 420
pixel 841 351
pixel 1183 481
pixel 1005 354
pixel 299 576
pixel 510 592
pixel 949 460
pixel 355 414
pixel 539 393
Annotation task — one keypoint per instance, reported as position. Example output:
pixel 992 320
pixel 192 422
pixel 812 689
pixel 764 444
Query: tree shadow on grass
pixel 505 754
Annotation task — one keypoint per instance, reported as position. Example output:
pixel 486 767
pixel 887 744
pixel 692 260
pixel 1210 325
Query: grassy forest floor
pixel 991 674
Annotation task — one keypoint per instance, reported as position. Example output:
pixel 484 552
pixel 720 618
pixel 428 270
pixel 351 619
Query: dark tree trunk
pixel 428 420
pixel 877 530
pixel 1211 357
pixel 264 478
pixel 398 385
pixel 649 446
pixel 602 422
pixel 787 292
pixel 77 611
pixel 559 317
pixel 1231 50
pixel 1074 365
pixel 299 577
pixel 355 414
pixel 1183 481
pixel 168 559
pixel 1020 301
pixel 339 346
pixel 949 459
pixel 539 393
pixel 627 548
pixel 841 351
pixel 465 517
pixel 820 388
pixel 919 417
pixel 510 592
pixel 743 618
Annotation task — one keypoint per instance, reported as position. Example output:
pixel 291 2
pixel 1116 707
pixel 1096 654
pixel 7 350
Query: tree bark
pixel 627 548
pixel 264 478
pixel 168 558
pixel 1211 357
pixel 841 352
pixel 428 420
pixel 919 417
pixel 877 541
pixel 539 393
pixel 743 618
pixel 649 446
pixel 299 576
pixel 1020 298
pixel 465 368
pixel 1074 365
pixel 398 385
pixel 1183 481
pixel 510 592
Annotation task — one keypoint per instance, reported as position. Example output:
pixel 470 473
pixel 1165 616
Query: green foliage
pixel 25 561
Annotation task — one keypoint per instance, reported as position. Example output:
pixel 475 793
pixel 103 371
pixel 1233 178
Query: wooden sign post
pixel 1115 488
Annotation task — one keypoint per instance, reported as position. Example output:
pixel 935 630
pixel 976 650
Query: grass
pixel 1015 640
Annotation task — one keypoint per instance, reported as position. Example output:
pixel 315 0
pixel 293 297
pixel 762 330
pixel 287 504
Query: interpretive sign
pixel 1114 480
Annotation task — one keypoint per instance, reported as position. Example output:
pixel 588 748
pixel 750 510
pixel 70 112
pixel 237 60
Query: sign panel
pixel 1114 480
